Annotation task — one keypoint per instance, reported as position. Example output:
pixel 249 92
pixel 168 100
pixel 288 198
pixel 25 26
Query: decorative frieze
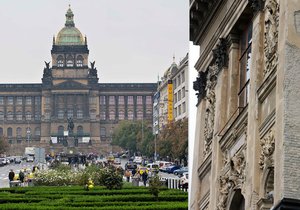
pixel 271 35
pixel 220 54
pixel 267 149
pixel 210 107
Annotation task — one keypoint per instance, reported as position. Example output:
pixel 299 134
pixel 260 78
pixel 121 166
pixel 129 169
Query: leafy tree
pixel 173 140
pixel 135 136
pixel 3 145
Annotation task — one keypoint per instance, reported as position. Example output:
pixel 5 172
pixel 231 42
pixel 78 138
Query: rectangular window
pixel 102 100
pixel 183 107
pixel 175 112
pixel 183 77
pixel 244 65
pixel 37 116
pixel 28 100
pixel 183 92
pixel 179 110
pixel 37 100
pixel 102 115
pixel 179 95
pixel 121 115
pixel 175 97
pixel 47 100
pixel 178 80
pixel 10 100
pixel 174 83
pixel 149 100
pixel 139 100
pixel 121 100
pixel 130 115
pixel 130 100
pixel 112 115
pixel 111 100
pixel 19 100
pixel 1 100
pixel 102 131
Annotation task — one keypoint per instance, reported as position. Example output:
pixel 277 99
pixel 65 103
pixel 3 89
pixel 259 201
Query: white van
pixel 153 167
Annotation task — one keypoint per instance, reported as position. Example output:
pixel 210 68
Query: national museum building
pixel 247 141
pixel 37 114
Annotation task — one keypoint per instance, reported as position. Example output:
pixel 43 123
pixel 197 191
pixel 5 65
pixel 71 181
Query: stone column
pixel 287 148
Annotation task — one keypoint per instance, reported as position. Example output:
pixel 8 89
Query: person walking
pixel 21 177
pixel 127 175
pixel 145 177
pixel 11 176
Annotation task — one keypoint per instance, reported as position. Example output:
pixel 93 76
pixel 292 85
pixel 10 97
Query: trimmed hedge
pixel 76 197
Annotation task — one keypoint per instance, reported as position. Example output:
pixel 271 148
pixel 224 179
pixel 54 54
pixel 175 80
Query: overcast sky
pixel 130 40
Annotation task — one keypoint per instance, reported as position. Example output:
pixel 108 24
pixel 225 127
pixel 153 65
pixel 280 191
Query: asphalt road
pixel 4 170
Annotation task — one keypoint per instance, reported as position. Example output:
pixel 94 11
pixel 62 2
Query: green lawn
pixel 75 197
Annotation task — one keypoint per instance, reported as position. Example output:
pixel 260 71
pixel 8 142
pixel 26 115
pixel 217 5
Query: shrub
pixel 154 186
pixel 111 179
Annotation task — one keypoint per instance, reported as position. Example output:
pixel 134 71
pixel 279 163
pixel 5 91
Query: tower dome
pixel 69 35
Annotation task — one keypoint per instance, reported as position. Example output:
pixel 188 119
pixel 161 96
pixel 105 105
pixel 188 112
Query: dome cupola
pixel 69 35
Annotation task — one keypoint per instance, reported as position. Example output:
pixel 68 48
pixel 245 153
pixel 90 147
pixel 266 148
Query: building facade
pixel 37 114
pixel 247 148
pixel 171 98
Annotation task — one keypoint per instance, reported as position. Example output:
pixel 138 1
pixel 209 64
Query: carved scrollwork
pixel 267 149
pixel 234 179
pixel 271 35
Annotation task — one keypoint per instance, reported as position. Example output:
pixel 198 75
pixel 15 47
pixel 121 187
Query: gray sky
pixel 130 40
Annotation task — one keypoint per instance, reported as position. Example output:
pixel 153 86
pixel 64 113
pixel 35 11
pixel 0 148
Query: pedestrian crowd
pixel 23 178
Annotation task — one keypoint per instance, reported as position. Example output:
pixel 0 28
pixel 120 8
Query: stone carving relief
pixel 199 85
pixel 271 35
pixel 210 107
pixel 256 5
pixel 233 179
pixel 267 149
pixel 220 54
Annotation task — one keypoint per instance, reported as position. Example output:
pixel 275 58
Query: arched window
pixel 70 61
pixel 10 116
pixel 9 132
pixel 79 61
pixel 60 114
pixel 79 130
pixel 28 115
pixel 238 201
pixel 79 114
pixel 60 61
pixel 19 116
pixel 19 133
pixel 37 132
pixel 60 130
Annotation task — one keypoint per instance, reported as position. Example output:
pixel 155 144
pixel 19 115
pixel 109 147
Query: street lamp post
pixel 155 155
pixel 28 133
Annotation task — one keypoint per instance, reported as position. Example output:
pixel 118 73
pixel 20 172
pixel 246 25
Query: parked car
pixel 17 160
pixel 117 161
pixel 2 161
pixel 138 160
pixel 130 165
pixel 172 168
pixel 153 167
pixel 164 165
pixel 184 180
pixel 181 171
pixel 30 159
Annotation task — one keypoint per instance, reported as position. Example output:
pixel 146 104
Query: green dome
pixel 69 35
